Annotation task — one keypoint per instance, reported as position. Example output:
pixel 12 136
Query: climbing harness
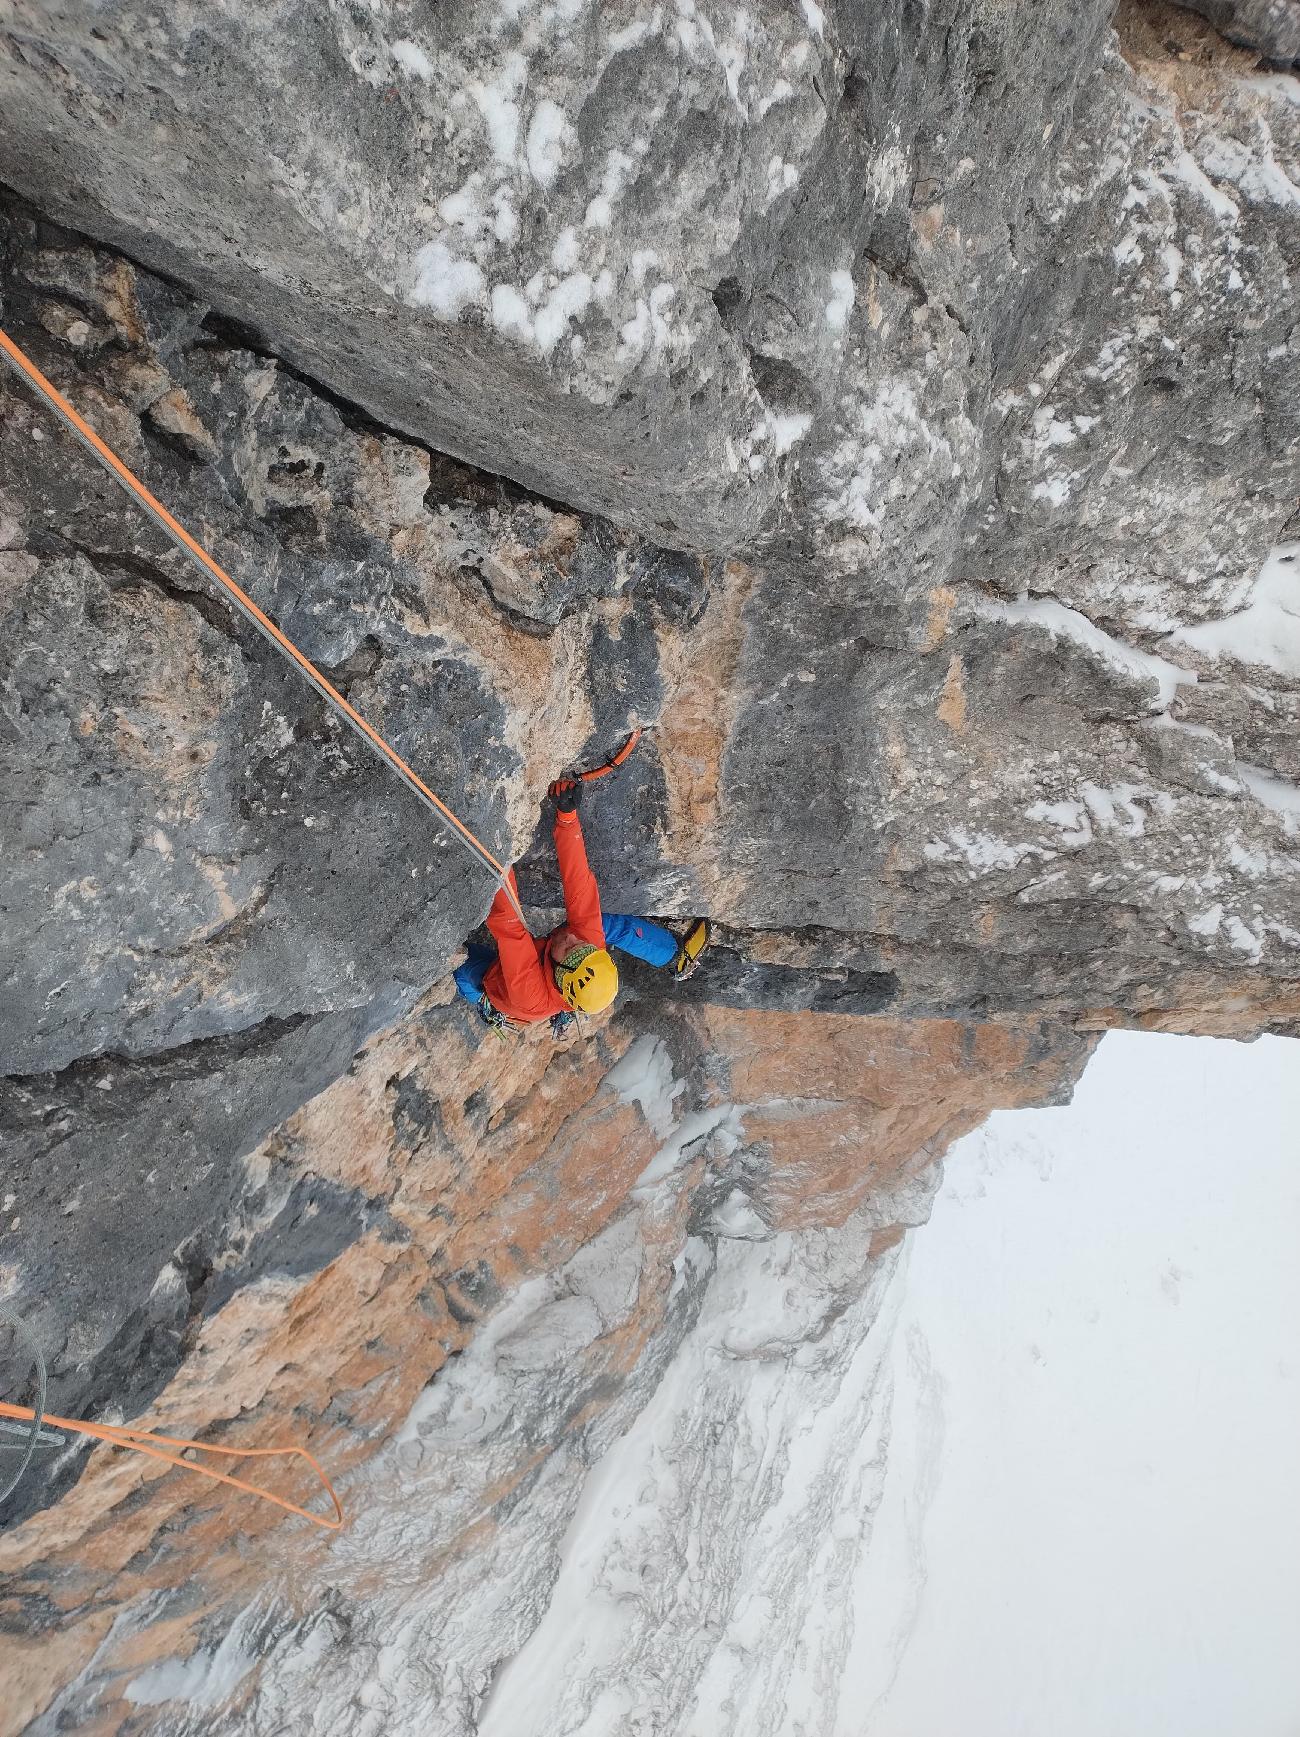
pixel 494 1019
pixel 199 557
pixel 145 1441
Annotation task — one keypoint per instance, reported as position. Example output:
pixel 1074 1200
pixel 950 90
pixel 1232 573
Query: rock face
pixel 1024 437
pixel 891 406
pixel 458 1300
pixel 1271 26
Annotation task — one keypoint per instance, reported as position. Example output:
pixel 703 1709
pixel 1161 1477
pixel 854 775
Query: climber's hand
pixel 566 794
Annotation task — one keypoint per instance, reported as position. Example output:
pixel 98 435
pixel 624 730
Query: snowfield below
pixel 1027 1470
pixel 1037 1478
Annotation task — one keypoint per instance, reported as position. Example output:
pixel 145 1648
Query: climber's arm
pixel 581 895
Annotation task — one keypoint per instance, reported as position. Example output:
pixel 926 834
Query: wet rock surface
pixel 894 412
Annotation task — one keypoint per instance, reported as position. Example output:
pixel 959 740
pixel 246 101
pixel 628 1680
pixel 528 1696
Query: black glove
pixel 566 794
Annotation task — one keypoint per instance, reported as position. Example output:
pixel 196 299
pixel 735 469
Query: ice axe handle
pixel 612 764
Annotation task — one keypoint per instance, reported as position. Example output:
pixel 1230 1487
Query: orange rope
pixel 86 434
pixel 139 1441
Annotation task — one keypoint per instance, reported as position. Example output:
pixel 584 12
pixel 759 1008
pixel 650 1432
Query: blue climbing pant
pixel 469 976
pixel 641 938
pixel 635 935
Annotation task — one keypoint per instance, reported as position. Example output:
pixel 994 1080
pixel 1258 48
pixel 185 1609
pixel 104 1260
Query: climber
pixel 570 971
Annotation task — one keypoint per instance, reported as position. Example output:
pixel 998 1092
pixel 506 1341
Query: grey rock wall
pixel 587 248
pixel 893 406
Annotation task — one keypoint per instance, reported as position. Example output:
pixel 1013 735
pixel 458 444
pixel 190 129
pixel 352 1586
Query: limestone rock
pixel 889 407
pixel 1271 26
pixel 458 1299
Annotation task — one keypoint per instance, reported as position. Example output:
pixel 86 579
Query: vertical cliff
pixel 891 409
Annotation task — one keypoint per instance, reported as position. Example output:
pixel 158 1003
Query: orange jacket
pixel 522 982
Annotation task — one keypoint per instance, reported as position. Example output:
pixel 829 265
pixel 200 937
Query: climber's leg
pixel 469 976
pixel 640 937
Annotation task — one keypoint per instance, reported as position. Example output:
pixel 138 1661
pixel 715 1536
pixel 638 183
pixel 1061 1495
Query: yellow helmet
pixel 590 983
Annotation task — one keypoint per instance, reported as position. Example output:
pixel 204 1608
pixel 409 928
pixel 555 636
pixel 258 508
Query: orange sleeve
pixel 521 968
pixel 581 895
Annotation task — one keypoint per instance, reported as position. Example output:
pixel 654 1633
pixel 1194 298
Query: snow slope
pixel 1028 1474
pixel 1045 1487
pixel 1089 1522
pixel 706 1576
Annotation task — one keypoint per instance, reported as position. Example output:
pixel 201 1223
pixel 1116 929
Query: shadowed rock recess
pixel 894 406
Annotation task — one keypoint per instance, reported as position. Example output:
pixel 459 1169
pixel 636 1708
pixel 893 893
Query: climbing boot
pixel 693 944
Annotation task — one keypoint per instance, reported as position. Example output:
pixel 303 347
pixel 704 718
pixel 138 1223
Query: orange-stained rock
pixel 473 1192
pixel 839 1105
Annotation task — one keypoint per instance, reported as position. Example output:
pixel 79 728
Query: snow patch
pixel 1065 623
pixel 552 1337
pixel 781 92
pixel 781 177
pixel 645 1076
pixel 209 1676
pixel 1070 819
pixel 786 431
pixel 650 326
pixel 1267 630
pixel 565 253
pixel 1186 169
pixel 1275 793
pixel 444 283
pixel 630 36
pixel 412 59
pixel 600 210
pixel 980 850
pixel 1243 938
pixel 463 209
pixel 498 103
pixel 840 306
pixel 545 145
pixel 1056 490
pixel 723 1122
pixel 1254 168
pixel 470 1398
pixel 736 1217
pixel 567 302
pixel 511 314
pixel 1117 808
pixel 862 474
